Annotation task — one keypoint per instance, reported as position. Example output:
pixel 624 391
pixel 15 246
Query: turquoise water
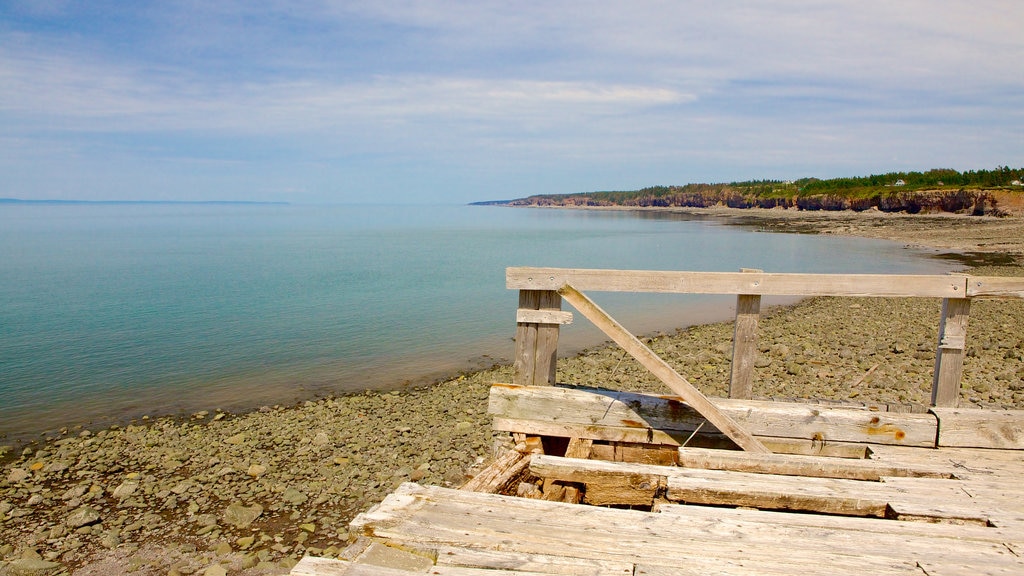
pixel 116 311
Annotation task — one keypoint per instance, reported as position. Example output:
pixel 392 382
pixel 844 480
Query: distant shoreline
pixel 978 239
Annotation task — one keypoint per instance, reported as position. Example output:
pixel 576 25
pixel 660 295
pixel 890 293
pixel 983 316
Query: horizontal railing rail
pixel 766 284
pixel 541 291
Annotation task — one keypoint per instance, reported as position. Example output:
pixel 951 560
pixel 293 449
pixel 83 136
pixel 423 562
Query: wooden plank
pixel 765 284
pixel 433 517
pixel 932 567
pixel 622 483
pixel 675 438
pixel 949 358
pixel 971 428
pixel 543 316
pixel 822 495
pixel 635 452
pixel 771 523
pixel 499 474
pixel 663 419
pixel 976 465
pixel 995 287
pixel 799 465
pixel 313 566
pixel 607 483
pixel 579 448
pixel 661 370
pixel 974 545
pixel 744 343
pixel 972 502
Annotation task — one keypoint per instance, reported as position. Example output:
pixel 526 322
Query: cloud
pixel 688 89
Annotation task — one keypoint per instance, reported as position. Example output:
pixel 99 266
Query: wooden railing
pixel 541 291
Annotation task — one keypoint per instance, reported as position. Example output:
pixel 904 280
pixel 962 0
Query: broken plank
pixel 605 483
pixel 578 448
pixel 499 474
pixel 635 452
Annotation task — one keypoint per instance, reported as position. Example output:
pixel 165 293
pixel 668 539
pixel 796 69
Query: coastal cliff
pixel 997 192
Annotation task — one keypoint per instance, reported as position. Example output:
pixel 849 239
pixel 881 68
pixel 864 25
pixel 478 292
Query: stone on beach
pixel 241 516
pixel 83 516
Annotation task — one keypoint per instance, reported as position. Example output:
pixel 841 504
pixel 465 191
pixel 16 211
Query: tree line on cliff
pixel 937 190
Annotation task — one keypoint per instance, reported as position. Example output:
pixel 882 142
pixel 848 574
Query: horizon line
pixel 58 201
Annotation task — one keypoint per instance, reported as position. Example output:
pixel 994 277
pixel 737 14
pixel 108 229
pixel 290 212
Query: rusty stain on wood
pixel 874 429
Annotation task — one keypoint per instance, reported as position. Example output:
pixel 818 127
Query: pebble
pixel 241 516
pixel 256 470
pixel 33 567
pixel 236 439
pixel 83 516
pixel 293 496
pixel 215 570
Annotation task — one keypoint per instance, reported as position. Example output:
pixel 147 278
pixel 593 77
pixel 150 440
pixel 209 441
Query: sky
pixel 451 101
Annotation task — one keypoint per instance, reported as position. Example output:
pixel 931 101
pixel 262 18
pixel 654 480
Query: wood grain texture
pixel 543 317
pixel 968 428
pixel 764 284
pixel 800 465
pixel 537 342
pixel 995 287
pixel 634 417
pixel 499 474
pixel 744 346
pixel 691 539
pixel 949 358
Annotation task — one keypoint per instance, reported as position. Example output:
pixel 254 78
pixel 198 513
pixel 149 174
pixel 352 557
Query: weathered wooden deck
pixel 911 506
pixel 603 482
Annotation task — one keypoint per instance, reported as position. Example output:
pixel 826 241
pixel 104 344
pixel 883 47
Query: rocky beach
pixel 219 493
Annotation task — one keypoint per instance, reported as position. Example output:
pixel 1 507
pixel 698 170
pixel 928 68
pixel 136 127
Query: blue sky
pixel 449 101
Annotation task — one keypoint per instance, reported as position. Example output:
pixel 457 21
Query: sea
pixel 118 311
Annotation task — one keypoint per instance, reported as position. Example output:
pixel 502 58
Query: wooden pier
pixel 592 481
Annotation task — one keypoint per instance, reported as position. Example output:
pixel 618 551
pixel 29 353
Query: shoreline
pixel 254 491
pixel 942 231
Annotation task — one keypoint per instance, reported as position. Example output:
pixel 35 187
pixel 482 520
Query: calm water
pixel 114 311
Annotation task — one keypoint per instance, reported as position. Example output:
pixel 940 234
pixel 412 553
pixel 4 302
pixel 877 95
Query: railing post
pixel 744 343
pixel 536 342
pixel 949 357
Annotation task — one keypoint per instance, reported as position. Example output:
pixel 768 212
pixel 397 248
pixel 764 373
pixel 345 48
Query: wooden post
pixel 949 358
pixel 744 343
pixel 537 337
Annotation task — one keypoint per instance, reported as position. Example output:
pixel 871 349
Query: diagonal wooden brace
pixel 662 370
